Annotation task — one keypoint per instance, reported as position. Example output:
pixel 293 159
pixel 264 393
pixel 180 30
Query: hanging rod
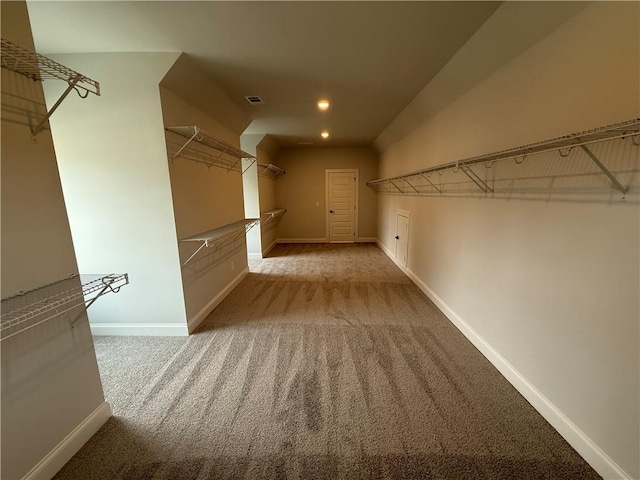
pixel 217 153
pixel 398 185
pixel 45 303
pixel 268 170
pixel 212 238
pixel 37 67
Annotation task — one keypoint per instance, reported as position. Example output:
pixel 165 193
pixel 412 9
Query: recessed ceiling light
pixel 323 104
pixel 324 135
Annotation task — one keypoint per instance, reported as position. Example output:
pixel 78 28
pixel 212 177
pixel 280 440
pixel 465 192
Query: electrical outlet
pixel 317 203
pixel 233 265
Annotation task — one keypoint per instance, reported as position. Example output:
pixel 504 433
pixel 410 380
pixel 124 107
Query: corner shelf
pixel 458 178
pixel 205 148
pixel 16 58
pixel 270 171
pixel 217 236
pixel 273 215
pixel 45 303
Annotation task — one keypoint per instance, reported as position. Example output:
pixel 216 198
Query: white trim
pixel 69 446
pixel 150 329
pixel 269 248
pixel 366 240
pixel 197 319
pixel 303 240
pixel 254 256
pixel 586 447
pixel 356 213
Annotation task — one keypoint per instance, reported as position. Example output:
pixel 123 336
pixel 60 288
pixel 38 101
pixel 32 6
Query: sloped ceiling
pixel 369 59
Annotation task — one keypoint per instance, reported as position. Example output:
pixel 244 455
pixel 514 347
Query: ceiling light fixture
pixel 323 104
pixel 324 135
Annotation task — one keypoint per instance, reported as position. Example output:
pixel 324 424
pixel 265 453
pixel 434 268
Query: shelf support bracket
pixel 253 160
pixel 196 131
pixel 605 170
pixel 397 187
pixel 204 244
pixel 40 126
pixel 107 287
pixel 409 183
pixel 476 179
pixel 431 183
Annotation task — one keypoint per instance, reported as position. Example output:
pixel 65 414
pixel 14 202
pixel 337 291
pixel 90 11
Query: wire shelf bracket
pixel 213 238
pixel 16 58
pixel 37 306
pixel 606 171
pixel 268 170
pixel 414 183
pixel 217 153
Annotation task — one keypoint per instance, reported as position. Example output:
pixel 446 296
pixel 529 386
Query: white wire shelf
pixel 268 170
pixel 273 215
pixel 26 310
pixel 223 234
pixel 204 148
pixel 458 178
pixel 23 61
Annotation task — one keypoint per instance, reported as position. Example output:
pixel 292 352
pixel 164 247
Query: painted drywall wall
pixel 203 199
pixel 50 380
pixel 248 144
pixel 267 151
pixel 550 288
pixel 302 190
pixel 115 177
pixel 259 193
pixel 524 24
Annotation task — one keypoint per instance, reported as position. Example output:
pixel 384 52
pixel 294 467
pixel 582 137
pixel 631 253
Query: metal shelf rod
pixel 55 299
pixel 273 214
pixel 195 134
pixel 268 170
pixel 37 67
pixel 211 238
pixel 606 133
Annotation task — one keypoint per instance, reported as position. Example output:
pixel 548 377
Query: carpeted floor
pixel 326 362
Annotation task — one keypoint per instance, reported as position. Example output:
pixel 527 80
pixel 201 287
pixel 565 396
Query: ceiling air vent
pixel 254 100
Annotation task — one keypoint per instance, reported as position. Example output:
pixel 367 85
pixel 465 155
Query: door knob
pixel 330 211
pixel 397 237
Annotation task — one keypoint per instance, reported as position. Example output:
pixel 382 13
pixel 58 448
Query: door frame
pixel 407 215
pixel 355 173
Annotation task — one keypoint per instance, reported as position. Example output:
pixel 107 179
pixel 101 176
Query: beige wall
pixel 547 290
pixel 250 192
pixel 113 167
pixel 267 153
pixel 203 198
pixel 50 380
pixel 304 185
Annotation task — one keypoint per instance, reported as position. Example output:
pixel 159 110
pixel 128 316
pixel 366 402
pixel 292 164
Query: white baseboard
pixel 303 240
pixel 69 446
pixel 598 459
pixel 366 240
pixel 137 329
pixel 269 248
pixel 254 256
pixel 197 319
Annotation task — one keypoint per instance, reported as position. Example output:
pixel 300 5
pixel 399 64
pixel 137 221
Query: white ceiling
pixel 370 59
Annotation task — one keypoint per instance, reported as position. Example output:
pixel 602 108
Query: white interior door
pixel 341 204
pixel 402 237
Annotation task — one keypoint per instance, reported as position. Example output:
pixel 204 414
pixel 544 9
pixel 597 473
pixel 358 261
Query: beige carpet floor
pixel 326 362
